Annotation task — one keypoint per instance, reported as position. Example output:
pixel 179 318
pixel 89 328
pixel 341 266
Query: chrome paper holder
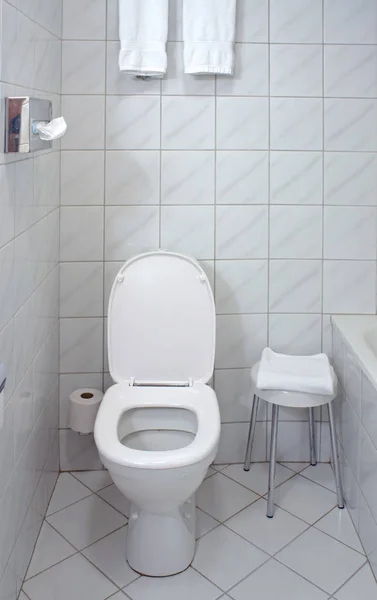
pixel 21 114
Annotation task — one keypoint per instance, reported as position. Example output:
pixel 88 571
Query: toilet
pixel 158 428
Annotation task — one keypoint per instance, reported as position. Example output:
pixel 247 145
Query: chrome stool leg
pixel 273 448
pixel 334 448
pixel 250 439
pixel 313 450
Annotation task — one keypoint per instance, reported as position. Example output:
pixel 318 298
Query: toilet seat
pixel 200 399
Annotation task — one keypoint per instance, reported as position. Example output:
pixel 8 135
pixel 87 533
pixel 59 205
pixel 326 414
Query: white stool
pixel 297 400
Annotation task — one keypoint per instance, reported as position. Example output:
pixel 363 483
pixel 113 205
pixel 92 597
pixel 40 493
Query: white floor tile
pixel 87 521
pixel 188 585
pixel 114 497
pixel 73 579
pixel 109 555
pixel 362 585
pixel 297 467
pixel 23 596
pixel 271 535
pixel 67 491
pixel 50 549
pixel 218 467
pixel 304 498
pixel 95 480
pixel 204 523
pixel 118 596
pixel 221 497
pixel 322 473
pixel 321 559
pixel 257 478
pixel 339 525
pixel 274 581
pixel 225 558
pixel 210 472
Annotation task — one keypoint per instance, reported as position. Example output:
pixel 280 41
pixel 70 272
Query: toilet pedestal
pixel 159 545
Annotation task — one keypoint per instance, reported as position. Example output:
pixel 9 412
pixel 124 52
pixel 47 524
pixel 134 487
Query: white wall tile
pixel 296 124
pixel 351 124
pixel 7 272
pixel 368 465
pixel 111 271
pixel 132 123
pixel 296 21
pixel 24 196
pixel 252 21
pixel 112 20
pixel 86 122
pixel 81 345
pixel 296 70
pixel 242 123
pixel 232 443
pixel 78 27
pixel 233 390
pixel 349 287
pixel 188 123
pixel 350 22
pixel 295 286
pixel 242 177
pixel 132 177
pixel 241 286
pixel 240 340
pixel 81 231
pixel 78 452
pixel 350 232
pixel 175 20
pixel 81 289
pixel 295 334
pixel 7 198
pixel 83 67
pixel 250 72
pixel 188 230
pixel 351 71
pixel 368 407
pixel 350 178
pixel 296 177
pixel 175 80
pixel 241 232
pixel 187 177
pixel 130 230
pixel 296 232
pixel 82 178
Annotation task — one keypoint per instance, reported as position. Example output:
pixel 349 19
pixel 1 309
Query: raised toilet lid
pixel 161 321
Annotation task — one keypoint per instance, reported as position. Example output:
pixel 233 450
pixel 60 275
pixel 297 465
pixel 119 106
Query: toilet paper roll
pixel 83 408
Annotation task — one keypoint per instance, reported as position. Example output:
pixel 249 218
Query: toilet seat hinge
pixel 133 383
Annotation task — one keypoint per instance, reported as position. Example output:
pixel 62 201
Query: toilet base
pixel 159 545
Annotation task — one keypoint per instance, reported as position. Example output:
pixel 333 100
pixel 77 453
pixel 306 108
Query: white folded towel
pixel 143 32
pixel 310 374
pixel 209 33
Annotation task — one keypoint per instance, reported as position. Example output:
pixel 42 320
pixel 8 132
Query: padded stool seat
pixel 294 400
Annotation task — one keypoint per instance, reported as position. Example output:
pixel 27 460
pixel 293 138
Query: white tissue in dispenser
pixel 83 409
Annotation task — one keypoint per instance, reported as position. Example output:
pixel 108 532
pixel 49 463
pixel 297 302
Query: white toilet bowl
pixel 158 428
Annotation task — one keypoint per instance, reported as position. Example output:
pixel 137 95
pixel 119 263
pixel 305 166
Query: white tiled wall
pixel 268 177
pixel 357 430
pixel 30 35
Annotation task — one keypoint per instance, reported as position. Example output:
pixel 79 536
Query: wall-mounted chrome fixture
pixel 29 126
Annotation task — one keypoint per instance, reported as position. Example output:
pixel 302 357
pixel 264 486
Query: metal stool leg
pixel 334 448
pixel 250 439
pixel 273 448
pixel 313 451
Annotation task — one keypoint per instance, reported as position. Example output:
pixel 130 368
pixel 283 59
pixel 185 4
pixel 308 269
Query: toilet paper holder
pixel 24 118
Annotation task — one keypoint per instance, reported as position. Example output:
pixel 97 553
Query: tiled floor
pixel 309 551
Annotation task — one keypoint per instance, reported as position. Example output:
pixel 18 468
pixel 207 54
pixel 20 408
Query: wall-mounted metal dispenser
pixel 29 126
